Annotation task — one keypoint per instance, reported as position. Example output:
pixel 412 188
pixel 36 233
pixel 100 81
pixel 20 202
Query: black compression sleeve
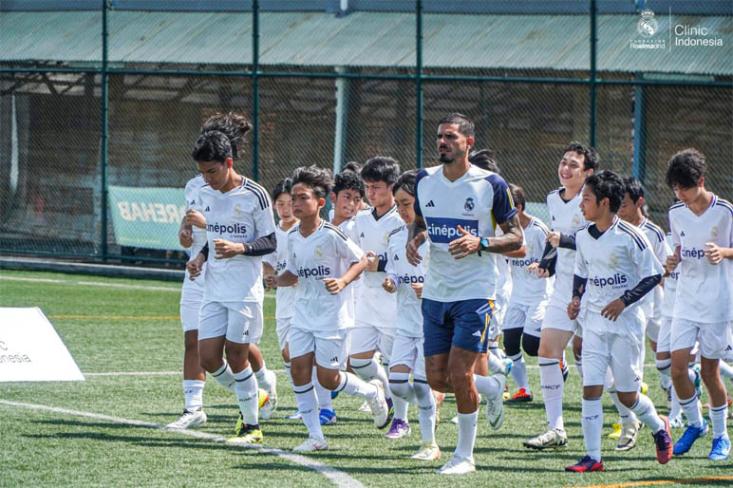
pixel 642 288
pixel 261 246
pixel 549 258
pixel 579 286
pixel 567 241
pixel 382 264
pixel 205 251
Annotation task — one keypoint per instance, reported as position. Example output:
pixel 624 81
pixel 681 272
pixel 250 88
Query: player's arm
pixel 286 278
pixel 651 270
pixel 185 233
pixel 716 253
pixel 416 237
pixel 335 285
pixel 580 280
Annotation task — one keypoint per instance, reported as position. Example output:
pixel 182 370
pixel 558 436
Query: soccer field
pixel 126 338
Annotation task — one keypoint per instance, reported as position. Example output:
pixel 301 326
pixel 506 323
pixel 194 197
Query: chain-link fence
pixel 77 138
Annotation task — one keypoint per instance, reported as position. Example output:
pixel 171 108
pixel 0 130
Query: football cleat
pixel 327 416
pixel 247 436
pixel 272 391
pixel 521 395
pixel 296 416
pixel 495 407
pixel 378 406
pixel 554 438
pixel 312 444
pixel 265 405
pixel 677 422
pixel 629 434
pixel 364 407
pixel 615 433
pixel 663 442
pixel 689 437
pixel 399 429
pixel 457 465
pixel 586 465
pixel 429 451
pixel 189 420
pixel 721 449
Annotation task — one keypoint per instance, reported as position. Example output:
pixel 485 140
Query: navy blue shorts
pixel 463 324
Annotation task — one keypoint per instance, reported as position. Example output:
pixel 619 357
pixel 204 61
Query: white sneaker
pixel 364 407
pixel 312 444
pixel 553 438
pixel 429 451
pixel 296 416
pixel 457 465
pixel 495 407
pixel 189 420
pixel 378 405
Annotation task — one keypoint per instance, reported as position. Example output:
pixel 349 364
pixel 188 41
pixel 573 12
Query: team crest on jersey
pixel 469 205
pixel 318 252
pixel 237 210
pixel 613 260
pixel 714 232
pixel 385 239
pixel 576 220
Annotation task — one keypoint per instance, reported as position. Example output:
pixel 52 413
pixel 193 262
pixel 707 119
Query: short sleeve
pixel 503 204
pixel 264 219
pixel 348 250
pixel 643 258
pixel 422 174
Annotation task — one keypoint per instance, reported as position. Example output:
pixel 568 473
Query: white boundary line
pixel 339 478
pixel 91 283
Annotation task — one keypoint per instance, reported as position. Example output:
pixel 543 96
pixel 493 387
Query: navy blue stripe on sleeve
pixel 503 205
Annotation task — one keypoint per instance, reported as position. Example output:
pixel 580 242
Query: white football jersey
pixel 477 201
pixel 566 218
pixel 409 315
pixel 704 290
pixel 614 263
pixel 193 290
pixel 528 289
pixel 670 284
pixel 241 215
pixel 374 306
pixel 655 236
pixel 284 296
pixel 326 253
pixel 352 291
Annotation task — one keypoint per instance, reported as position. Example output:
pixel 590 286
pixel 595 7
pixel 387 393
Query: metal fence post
pixel 638 169
pixel 104 138
pixel 593 73
pixel 418 86
pixel 255 90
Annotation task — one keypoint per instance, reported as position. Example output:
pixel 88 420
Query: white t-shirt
pixel 326 253
pixel 566 218
pixel 614 263
pixel 193 290
pixel 242 215
pixel 285 295
pixel 409 316
pixel 374 306
pixel 528 289
pixel 477 201
pixel 655 236
pixel 704 290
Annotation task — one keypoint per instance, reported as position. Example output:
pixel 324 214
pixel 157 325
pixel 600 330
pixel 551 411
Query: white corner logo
pixel 647 25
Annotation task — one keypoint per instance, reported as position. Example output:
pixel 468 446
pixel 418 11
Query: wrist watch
pixel 483 245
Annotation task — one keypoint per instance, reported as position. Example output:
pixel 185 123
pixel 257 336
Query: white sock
pixel 579 368
pixel 519 371
pixel 467 427
pixel 592 420
pixel 552 390
pixel 644 409
pixel 496 365
pixel 225 377
pixel 305 397
pixel 355 386
pixel 193 394
pixel 495 350
pixel 262 378
pixel 691 407
pixel 691 374
pixel 246 390
pixel 675 408
pixel 726 370
pixel 627 415
pixel 401 388
pixel 400 408
pixel 368 369
pixel 664 366
pixel 426 410
pixel 323 394
pixel 719 419
pixel 489 386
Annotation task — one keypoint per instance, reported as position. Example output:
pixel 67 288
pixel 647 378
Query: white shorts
pixel 664 338
pixel 714 338
pixel 365 338
pixel 408 351
pixel 189 312
pixel 556 317
pixel 653 326
pixel 526 317
pixel 282 328
pixel 615 346
pixel 330 347
pixel 239 322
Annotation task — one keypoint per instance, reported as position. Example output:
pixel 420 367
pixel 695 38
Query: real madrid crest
pixel 647 25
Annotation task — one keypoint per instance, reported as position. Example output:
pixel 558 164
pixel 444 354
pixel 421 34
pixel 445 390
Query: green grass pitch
pixel 135 328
